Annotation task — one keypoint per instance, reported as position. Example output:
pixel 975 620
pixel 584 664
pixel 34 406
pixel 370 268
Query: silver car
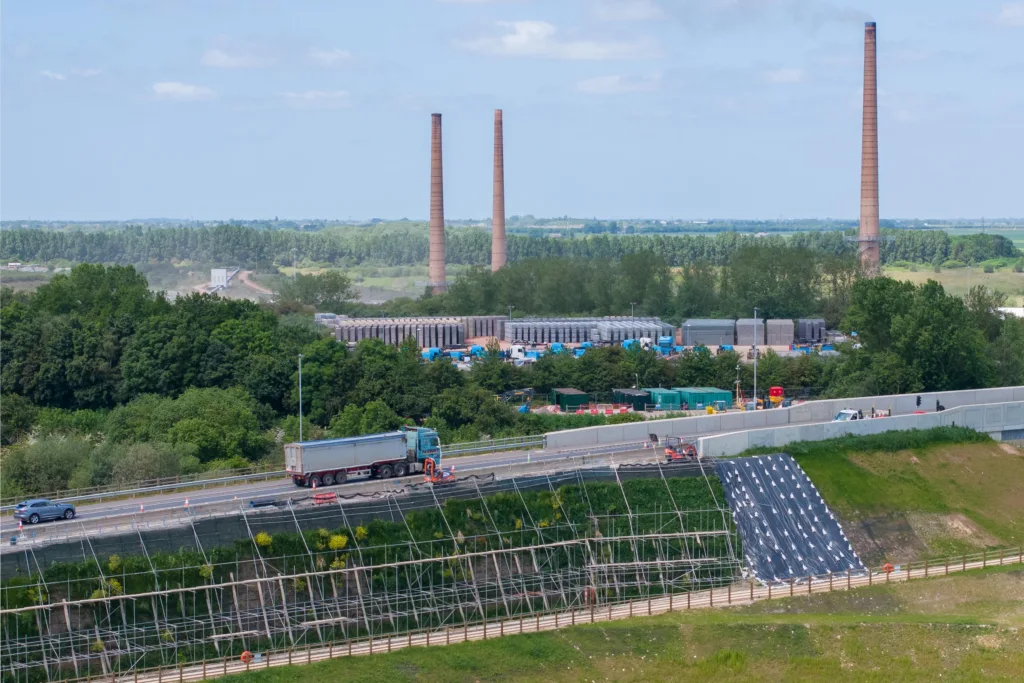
pixel 40 509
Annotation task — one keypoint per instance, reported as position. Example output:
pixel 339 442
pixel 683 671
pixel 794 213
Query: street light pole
pixel 632 305
pixel 510 307
pixel 300 398
pixel 755 358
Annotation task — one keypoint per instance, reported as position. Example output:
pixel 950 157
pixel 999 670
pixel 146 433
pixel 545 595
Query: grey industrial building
pixel 576 330
pixel 749 331
pixel 780 332
pixel 709 332
pixel 428 331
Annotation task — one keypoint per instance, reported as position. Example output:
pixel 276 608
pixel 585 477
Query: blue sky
pixel 118 109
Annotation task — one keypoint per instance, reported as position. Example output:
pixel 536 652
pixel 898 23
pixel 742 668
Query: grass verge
pixel 896 633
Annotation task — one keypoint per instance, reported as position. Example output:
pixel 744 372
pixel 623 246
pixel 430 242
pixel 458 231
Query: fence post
pixel 769 590
pixel 830 582
pixel 648 605
pixel 537 629
pixel 728 595
pixel 330 650
pixel 926 568
pixel 350 648
pixel 670 596
pixel 870 577
pixel 751 591
pixel 849 584
pixel 963 562
pixel 809 579
pixel 591 613
pixel 711 596
pixel 389 642
pixel 984 558
pixel 947 566
pixel 1000 557
pixel 792 582
pixel 630 609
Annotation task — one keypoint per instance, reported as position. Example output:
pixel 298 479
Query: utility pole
pixel 510 307
pixel 632 307
pixel 300 398
pixel 295 268
pixel 755 358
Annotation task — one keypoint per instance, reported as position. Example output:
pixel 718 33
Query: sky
pixel 686 109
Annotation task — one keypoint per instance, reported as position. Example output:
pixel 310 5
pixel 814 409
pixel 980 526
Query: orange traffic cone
pixel 20 527
pixel 142 508
pixel 186 502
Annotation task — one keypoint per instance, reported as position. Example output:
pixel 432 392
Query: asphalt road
pixel 174 501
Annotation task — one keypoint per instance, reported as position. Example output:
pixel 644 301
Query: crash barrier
pixel 992 418
pixel 804 413
pixel 733 595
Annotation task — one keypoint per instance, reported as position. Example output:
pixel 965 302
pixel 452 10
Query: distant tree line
pixel 395 245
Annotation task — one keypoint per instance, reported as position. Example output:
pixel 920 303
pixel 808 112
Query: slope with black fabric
pixel 788 531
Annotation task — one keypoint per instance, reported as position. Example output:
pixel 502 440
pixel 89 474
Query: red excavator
pixel 437 476
pixel 677 450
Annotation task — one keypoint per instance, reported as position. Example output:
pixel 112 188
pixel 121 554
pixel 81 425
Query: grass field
pixel 959 280
pixel 961 628
pixel 924 503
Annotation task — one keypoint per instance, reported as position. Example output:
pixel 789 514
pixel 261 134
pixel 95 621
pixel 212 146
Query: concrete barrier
pixel 993 419
pixel 812 412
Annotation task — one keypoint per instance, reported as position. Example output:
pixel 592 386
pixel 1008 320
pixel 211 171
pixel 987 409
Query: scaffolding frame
pixel 100 626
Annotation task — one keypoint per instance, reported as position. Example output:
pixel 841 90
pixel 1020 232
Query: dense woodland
pixel 396 245
pixel 106 381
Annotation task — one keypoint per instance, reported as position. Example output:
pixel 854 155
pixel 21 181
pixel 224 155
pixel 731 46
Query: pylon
pixel 142 508
pixel 20 527
pixel 314 483
pixel 186 502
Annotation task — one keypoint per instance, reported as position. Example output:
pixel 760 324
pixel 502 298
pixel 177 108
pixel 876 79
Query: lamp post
pixel 632 307
pixel 755 358
pixel 510 307
pixel 300 398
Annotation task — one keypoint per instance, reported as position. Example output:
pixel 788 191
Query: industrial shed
pixel 698 398
pixel 664 399
pixel 810 330
pixel 749 331
pixel 635 398
pixel 780 332
pixel 708 332
pixel 569 399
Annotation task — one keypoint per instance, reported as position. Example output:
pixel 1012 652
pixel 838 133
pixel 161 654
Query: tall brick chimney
pixel 438 280
pixel 498 253
pixel 868 236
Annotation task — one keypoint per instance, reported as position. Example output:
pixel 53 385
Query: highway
pixel 175 501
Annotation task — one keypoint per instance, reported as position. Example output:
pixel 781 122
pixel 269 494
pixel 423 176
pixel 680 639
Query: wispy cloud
pixel 539 39
pixel 318 98
pixel 617 85
pixel 52 75
pixel 330 56
pixel 182 92
pixel 1012 14
pixel 224 59
pixel 628 10
pixel 784 75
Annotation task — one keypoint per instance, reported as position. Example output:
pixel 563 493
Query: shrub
pixel 953 263
pixel 338 541
pixel 263 539
pixel 989 269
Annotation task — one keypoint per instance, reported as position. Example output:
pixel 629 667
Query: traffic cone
pixel 314 483
pixel 142 508
pixel 20 527
pixel 186 502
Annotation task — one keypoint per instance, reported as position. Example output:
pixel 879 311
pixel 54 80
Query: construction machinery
pixel 678 450
pixel 434 475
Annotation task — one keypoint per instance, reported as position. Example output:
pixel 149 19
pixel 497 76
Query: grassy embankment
pixel 958 281
pixel 912 495
pixel 961 628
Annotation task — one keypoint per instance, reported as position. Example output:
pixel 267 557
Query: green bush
pixel 953 263
pixel 989 269
pixel 886 442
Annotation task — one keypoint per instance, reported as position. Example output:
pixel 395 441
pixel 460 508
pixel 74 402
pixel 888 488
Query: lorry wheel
pixel 298 481
pixel 401 469
pixel 329 479
pixel 340 477
pixel 315 480
pixel 385 472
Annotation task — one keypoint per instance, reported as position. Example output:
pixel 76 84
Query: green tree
pixel 330 291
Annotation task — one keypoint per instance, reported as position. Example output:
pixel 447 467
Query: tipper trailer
pixel 335 461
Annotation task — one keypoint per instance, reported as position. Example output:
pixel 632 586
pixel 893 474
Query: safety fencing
pixel 732 595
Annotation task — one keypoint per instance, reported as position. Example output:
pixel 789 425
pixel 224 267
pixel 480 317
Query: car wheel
pixel 69 514
pixel 33 519
pixel 401 469
pixel 385 472
pixel 329 479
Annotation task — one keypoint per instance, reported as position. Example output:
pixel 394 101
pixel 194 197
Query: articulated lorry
pixel 335 461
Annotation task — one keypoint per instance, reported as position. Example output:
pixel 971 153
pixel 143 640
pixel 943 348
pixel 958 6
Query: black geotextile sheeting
pixel 787 529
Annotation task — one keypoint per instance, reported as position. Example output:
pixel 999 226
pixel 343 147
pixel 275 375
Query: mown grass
pixel 891 633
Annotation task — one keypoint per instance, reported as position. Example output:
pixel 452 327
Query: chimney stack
pixel 498 253
pixel 868 236
pixel 438 280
